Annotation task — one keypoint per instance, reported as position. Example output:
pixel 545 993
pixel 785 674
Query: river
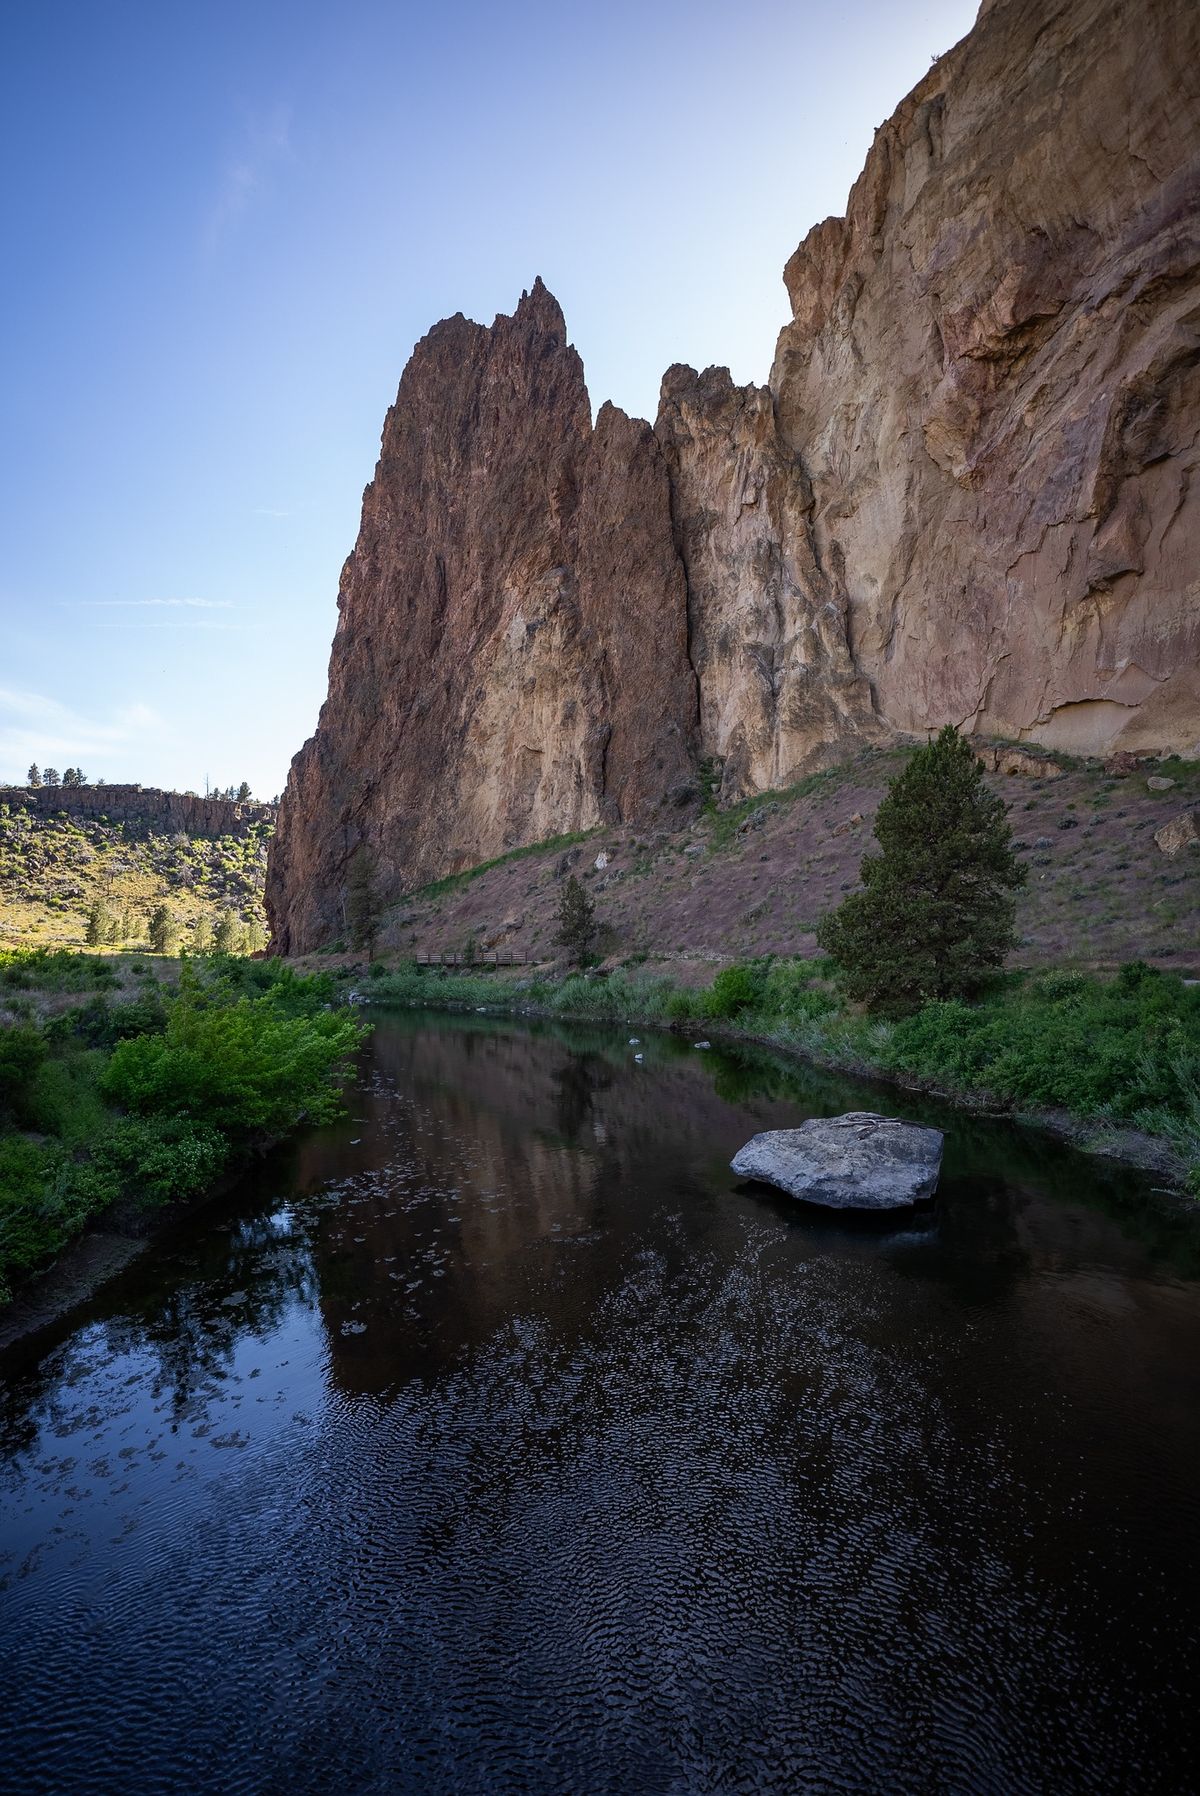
pixel 495 1440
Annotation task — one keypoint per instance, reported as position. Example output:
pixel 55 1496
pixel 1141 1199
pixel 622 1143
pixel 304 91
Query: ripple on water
pixel 524 1456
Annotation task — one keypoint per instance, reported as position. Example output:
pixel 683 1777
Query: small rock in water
pixel 635 1041
pixel 354 1328
pixel 859 1161
pixel 639 1056
pixel 702 1044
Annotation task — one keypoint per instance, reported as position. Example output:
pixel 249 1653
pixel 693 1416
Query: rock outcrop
pixel 968 495
pixel 511 653
pixel 859 1161
pixel 145 808
pixel 992 376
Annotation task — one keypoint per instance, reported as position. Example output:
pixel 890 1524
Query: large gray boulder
pixel 855 1162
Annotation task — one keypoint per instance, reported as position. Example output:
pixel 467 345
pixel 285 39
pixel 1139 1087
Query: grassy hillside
pixel 755 879
pixel 53 868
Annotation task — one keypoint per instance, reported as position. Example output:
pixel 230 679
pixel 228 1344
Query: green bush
pixel 53 970
pixel 245 1067
pixel 22 1051
pixel 38 1212
pixel 734 990
pixel 1094 1047
pixel 101 1024
pixel 153 1159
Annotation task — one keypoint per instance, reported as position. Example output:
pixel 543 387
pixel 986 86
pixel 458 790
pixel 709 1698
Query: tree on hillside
pixel 50 777
pixel 164 931
pixel 228 937
pixel 256 937
pixel 576 921
pixel 100 924
pixel 202 936
pixel 243 792
pixel 934 917
pixel 70 776
pixel 33 777
pixel 361 925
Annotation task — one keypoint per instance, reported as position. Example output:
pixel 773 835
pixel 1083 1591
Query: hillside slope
pixel 755 879
pixel 133 850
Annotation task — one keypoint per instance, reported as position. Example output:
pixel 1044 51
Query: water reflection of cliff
pixel 504 1172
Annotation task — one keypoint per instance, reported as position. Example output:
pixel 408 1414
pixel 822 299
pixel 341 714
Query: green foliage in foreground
pixel 150 1100
pixel 934 917
pixel 1123 1050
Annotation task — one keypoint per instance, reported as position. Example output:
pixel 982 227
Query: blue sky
pixel 226 225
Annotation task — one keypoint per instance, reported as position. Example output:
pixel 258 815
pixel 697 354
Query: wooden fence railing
pixel 474 960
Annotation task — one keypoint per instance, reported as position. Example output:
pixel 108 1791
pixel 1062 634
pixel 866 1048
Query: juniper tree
pixel 576 921
pixel 100 924
pixel 164 931
pixel 228 937
pixel 934 917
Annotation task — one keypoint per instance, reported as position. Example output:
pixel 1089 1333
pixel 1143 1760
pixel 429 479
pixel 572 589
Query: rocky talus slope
pixel 967 495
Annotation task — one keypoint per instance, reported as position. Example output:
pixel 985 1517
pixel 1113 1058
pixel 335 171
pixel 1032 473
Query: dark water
pixel 494 1441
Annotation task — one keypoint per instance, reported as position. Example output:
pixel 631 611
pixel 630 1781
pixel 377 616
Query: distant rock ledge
pixel 164 811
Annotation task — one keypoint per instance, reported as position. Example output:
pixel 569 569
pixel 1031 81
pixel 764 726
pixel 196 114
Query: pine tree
pixel 228 938
pixel 256 937
pixel 243 792
pixel 99 924
pixel 361 924
pixel 163 931
pixel 935 914
pixel 50 777
pixel 33 777
pixel 202 936
pixel 576 921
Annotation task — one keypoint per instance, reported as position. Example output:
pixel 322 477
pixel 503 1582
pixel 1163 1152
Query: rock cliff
pixel 968 494
pixel 145 808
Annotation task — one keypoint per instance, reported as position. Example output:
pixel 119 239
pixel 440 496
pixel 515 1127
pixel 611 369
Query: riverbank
pixel 1110 1066
pixel 128 1092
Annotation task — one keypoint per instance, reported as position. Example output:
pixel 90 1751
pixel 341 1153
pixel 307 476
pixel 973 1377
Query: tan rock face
pixel 767 623
pixel 992 378
pixel 970 494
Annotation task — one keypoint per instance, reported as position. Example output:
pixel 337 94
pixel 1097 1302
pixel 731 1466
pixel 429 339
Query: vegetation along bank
pixel 129 1085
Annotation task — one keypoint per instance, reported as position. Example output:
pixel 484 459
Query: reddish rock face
pixel 511 653
pixel 968 495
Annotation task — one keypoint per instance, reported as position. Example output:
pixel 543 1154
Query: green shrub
pixel 53 970
pixel 22 1051
pixel 38 1214
pixel 735 989
pixel 244 1067
pixel 1095 1047
pixel 154 1159
pixel 101 1024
